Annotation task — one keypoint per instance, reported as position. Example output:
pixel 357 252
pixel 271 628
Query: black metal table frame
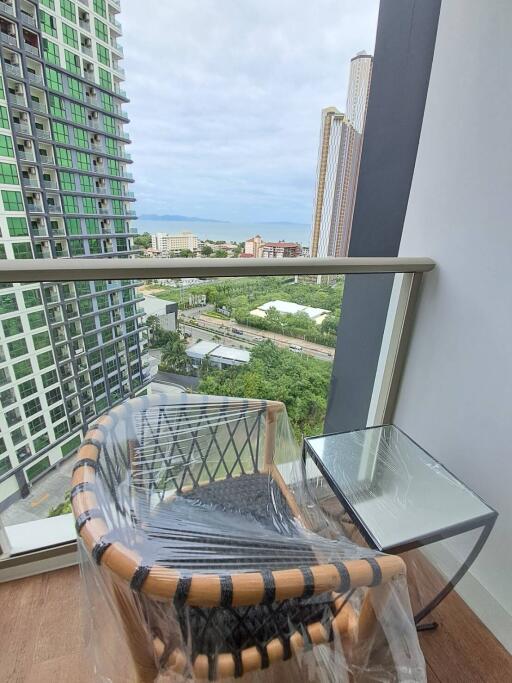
pixel 483 522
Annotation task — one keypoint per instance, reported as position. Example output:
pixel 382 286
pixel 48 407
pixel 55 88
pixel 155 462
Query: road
pixel 214 328
pixel 215 334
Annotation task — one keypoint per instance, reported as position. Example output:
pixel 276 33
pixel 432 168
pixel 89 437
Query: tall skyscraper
pixel 359 89
pixel 338 165
pixel 68 351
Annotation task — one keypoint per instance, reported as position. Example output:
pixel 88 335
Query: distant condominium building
pixel 68 351
pixel 281 250
pixel 171 245
pixel 339 154
pixel 253 246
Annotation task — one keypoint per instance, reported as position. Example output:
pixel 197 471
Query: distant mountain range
pixel 194 219
pixel 177 218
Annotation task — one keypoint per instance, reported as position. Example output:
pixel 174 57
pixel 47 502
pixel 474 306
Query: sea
pixel 230 232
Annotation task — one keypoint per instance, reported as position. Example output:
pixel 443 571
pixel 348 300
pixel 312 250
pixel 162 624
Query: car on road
pixel 295 348
pixel 235 330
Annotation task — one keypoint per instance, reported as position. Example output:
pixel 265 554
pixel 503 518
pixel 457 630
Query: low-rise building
pixel 317 315
pixel 281 250
pixel 166 311
pixel 218 355
pixel 172 245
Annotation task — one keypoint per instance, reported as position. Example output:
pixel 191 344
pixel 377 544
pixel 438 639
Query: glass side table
pixel 398 496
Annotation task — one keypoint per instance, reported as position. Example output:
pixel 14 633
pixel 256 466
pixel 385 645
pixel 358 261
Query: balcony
pixel 13 70
pixel 87 50
pixel 26 154
pixel 116 24
pixel 43 134
pixel 32 181
pixel 39 107
pixel 8 39
pixel 7 7
pixel 440 360
pixel 22 128
pixel 51 184
pixel 31 49
pixel 119 71
pixel 18 99
pixel 36 79
pixel 39 230
pixel 119 91
pixel 35 206
pixel 28 19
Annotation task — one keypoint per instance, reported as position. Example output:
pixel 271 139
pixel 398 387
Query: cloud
pixel 226 98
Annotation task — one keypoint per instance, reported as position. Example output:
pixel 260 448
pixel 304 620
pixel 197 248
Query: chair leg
pixel 368 631
pixel 137 636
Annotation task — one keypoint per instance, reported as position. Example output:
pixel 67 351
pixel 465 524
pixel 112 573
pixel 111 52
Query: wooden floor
pixel 40 636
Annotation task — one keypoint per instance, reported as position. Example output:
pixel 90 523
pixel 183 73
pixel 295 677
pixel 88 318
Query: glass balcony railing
pixel 7 7
pixel 37 79
pixel 71 349
pixel 28 19
pixel 13 70
pixel 8 38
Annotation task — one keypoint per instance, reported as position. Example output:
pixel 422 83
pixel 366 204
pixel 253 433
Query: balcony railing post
pixel 397 333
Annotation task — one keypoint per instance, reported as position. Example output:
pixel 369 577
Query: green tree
pixel 143 240
pixel 154 328
pixel 174 357
pixel 206 250
pixel 241 295
pixel 61 508
pixel 299 381
pixel 186 253
pixel 220 253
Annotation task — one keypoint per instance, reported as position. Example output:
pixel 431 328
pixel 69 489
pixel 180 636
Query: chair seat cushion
pixel 237 524
pixel 256 503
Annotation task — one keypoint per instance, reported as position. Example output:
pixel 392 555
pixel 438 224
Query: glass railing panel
pixel 70 351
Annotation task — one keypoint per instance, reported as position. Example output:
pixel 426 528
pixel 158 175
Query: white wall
pixel 456 395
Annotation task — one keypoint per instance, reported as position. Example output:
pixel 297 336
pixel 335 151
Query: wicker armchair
pixel 233 616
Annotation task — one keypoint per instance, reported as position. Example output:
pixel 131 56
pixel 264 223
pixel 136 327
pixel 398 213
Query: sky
pixel 226 97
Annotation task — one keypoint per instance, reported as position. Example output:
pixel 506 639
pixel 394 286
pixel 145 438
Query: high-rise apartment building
pixel 338 165
pixel 338 162
pixel 68 351
pixel 359 89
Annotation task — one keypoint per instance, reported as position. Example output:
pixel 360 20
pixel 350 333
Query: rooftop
pixel 201 348
pixel 215 351
pixel 289 307
pixel 231 353
pixel 282 244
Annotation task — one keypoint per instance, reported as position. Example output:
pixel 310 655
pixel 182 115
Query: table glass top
pixel 398 491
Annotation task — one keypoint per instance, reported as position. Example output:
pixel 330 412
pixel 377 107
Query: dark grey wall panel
pixel 404 49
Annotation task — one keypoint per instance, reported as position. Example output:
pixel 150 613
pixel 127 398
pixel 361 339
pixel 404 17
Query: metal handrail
pixel 55 270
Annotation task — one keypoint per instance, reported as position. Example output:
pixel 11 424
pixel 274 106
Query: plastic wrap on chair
pixel 207 554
